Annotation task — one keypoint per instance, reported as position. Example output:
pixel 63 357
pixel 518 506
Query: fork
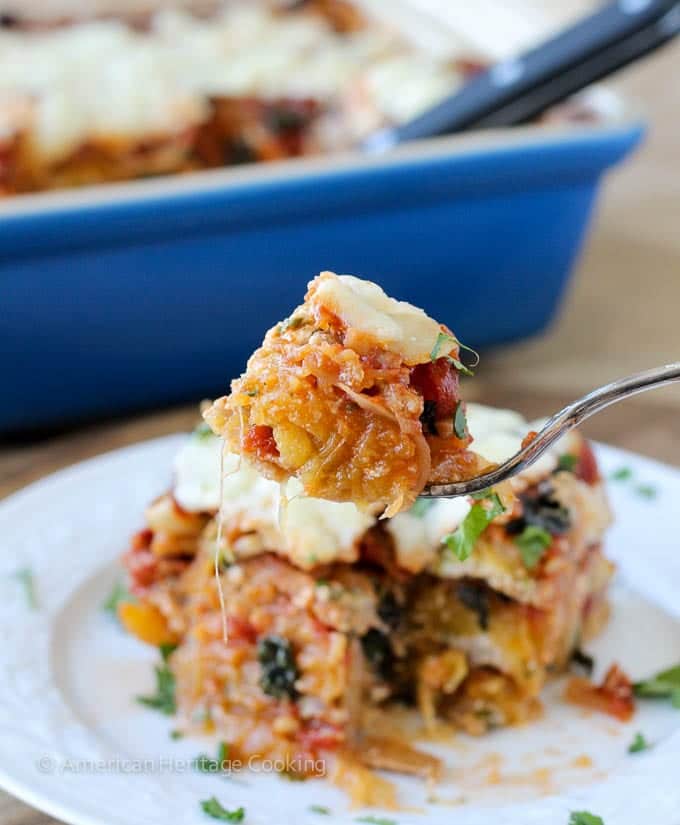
pixel 557 426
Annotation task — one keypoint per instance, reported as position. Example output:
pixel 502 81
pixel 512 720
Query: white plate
pixel 74 743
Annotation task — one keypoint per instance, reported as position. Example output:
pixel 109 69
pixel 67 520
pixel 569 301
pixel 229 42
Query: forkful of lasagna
pixel 356 395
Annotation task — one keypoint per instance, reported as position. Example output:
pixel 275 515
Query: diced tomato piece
pixel 614 696
pixel 260 440
pixel 141 540
pixel 241 630
pixel 437 382
pixel 321 736
pixel 142 567
pixel 586 467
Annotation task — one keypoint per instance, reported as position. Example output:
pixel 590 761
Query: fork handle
pixel 560 424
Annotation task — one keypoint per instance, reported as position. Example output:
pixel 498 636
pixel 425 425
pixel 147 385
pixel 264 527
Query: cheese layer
pixel 310 531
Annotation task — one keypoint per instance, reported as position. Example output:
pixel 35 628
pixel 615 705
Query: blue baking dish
pixel 122 297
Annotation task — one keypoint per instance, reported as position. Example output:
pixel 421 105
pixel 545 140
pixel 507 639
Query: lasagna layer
pixel 355 395
pixel 332 615
pixel 106 100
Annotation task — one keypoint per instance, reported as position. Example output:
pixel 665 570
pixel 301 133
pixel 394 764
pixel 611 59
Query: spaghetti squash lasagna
pixel 86 101
pixel 356 395
pixel 459 608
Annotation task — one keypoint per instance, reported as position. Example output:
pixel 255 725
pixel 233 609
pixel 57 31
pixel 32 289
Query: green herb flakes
pixel 442 339
pixel 460 425
pixel 206 764
pixel 638 744
pixel 567 462
pixel 203 431
pixel 164 699
pixel 665 685
pixel 622 474
pixel 213 808
pixel 293 322
pixel 119 595
pixel 532 543
pixel 25 578
pixel 460 366
pixel 176 734
pixel 166 650
pixel 646 491
pixel 464 538
pixel 584 818
pixel 376 820
pixel 320 809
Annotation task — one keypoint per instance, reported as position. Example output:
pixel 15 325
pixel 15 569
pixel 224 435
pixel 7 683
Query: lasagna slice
pixel 335 618
pixel 115 96
pixel 356 395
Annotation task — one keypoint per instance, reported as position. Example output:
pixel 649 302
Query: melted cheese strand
pixel 218 544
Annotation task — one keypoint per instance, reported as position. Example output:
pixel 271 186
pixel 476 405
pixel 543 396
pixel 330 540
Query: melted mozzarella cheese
pixel 311 531
pixel 365 308
pixel 498 434
pixel 103 80
pixel 307 530
pixel 417 539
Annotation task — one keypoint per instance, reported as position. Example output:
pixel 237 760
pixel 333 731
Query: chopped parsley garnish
pixel 584 818
pixel 376 820
pixel 460 425
pixel 622 474
pixel 206 764
pixel 442 339
pixel 646 490
pixel 118 595
pixel 293 322
pixel 203 431
pixel 252 393
pixel 460 366
pixel 25 579
pixel 464 538
pixel 532 543
pixel 638 744
pixel 320 809
pixel 277 663
pixel 166 651
pixel 213 808
pixel 567 462
pixel 176 734
pixel 164 699
pixel 665 685
pixel 420 507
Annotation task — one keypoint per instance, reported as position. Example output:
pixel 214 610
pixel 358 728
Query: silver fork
pixel 563 421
